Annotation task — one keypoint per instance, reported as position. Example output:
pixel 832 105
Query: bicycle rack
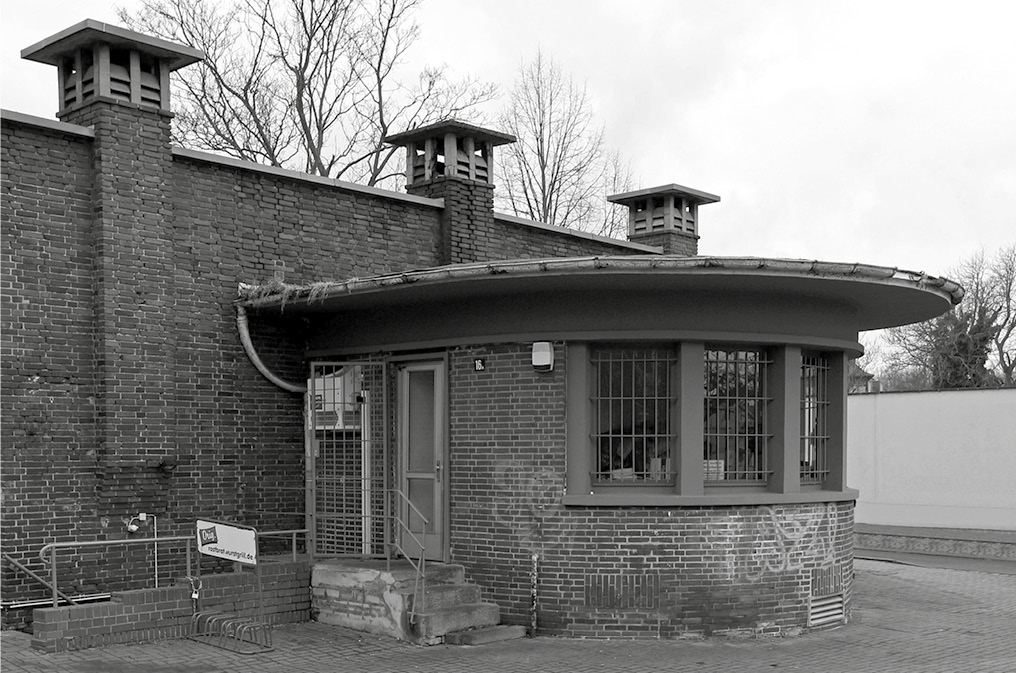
pixel 228 631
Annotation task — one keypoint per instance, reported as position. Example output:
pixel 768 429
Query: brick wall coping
pixel 562 231
pixel 51 124
pixel 232 162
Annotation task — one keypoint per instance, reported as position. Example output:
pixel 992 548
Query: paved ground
pixel 907 619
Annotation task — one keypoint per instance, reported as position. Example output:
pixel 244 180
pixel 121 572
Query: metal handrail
pixel 52 548
pixel 38 579
pixel 420 584
pixel 292 533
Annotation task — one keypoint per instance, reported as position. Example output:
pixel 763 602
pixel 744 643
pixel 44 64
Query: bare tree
pixel 305 84
pixel 974 345
pixel 554 172
pixel 610 219
pixel 990 284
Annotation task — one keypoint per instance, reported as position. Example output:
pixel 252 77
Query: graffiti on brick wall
pixel 527 503
pixel 786 539
pixel 793 539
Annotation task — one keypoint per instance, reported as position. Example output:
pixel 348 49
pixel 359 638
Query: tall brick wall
pixel 469 232
pixel 607 571
pixel 125 385
pixel 48 432
pixel 508 240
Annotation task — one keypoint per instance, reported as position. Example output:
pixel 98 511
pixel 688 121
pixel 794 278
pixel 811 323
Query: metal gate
pixel 350 467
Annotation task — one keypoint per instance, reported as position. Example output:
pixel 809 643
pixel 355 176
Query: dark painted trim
pixel 707 500
pixel 852 348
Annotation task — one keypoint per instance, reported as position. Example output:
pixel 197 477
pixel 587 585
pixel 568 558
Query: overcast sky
pixel 876 132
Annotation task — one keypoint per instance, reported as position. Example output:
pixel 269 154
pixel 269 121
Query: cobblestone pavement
pixel 906 619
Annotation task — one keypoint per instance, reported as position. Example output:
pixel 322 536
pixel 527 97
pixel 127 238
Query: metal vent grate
pixel 623 590
pixel 826 610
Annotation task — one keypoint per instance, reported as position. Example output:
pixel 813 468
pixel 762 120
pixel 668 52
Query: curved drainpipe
pixel 248 348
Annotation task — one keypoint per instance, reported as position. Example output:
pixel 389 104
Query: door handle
pixel 437 468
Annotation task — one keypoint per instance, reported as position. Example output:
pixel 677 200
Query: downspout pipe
pixel 248 347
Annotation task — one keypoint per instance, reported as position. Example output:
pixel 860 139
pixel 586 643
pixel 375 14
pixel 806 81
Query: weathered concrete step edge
pixel 340 573
pixel 437 573
pixel 443 596
pixel 485 635
pixel 458 618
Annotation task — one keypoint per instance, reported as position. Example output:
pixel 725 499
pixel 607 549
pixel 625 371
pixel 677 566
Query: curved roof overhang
pixel 648 295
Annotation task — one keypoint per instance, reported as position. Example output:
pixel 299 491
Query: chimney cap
pixel 450 126
pixel 693 195
pixel 54 48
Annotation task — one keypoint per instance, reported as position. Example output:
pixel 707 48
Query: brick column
pixel 134 304
pixel 469 207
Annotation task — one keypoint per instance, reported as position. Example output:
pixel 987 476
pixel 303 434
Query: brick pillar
pixel 672 242
pixel 134 304
pixel 469 207
pixel 454 161
pixel 665 216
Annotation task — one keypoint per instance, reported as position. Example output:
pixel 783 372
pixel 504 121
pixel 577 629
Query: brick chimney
pixel 665 216
pixel 454 161
pixel 99 62
pixel 116 81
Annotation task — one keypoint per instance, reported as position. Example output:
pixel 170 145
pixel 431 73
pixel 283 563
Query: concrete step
pixel 401 575
pixel 487 634
pixel 458 618
pixel 442 596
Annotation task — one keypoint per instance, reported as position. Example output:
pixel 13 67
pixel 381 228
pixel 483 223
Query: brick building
pixel 652 438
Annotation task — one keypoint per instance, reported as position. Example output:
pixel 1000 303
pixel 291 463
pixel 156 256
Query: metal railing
pixel 420 584
pixel 52 548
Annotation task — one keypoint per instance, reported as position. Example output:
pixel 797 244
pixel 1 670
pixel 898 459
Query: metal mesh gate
pixel 349 467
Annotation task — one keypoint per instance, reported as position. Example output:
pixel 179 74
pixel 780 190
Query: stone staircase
pixel 366 595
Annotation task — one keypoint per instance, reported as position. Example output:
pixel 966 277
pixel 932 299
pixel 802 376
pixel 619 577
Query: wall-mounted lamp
pixel 543 356
pixel 135 523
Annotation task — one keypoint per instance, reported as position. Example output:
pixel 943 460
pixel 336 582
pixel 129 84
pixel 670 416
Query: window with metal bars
pixel 633 393
pixel 814 417
pixel 736 400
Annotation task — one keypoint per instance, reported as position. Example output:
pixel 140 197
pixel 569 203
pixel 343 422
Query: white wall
pixel 936 459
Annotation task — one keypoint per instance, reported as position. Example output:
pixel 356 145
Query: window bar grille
pixel 735 425
pixel 814 414
pixel 632 402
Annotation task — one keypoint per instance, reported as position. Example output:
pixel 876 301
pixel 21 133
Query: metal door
pixel 349 469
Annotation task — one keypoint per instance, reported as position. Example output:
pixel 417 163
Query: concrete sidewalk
pixel 906 618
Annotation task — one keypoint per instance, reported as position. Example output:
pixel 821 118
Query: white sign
pixel 229 541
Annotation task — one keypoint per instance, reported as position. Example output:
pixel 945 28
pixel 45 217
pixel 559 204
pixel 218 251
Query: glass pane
pixel 632 398
pixel 421 494
pixel 421 421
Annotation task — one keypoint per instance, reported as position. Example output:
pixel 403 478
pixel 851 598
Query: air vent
pixel 826 610
pixel 623 590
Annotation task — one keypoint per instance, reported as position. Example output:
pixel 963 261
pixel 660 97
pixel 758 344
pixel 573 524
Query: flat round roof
pixel 880 296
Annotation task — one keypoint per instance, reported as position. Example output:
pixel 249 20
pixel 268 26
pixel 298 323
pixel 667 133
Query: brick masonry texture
pixel 672 242
pixel 125 386
pixel 126 389
pixel 147 615
pixel 681 572
pixel 470 233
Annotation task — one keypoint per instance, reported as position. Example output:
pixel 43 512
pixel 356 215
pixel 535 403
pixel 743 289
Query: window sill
pixel 632 499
